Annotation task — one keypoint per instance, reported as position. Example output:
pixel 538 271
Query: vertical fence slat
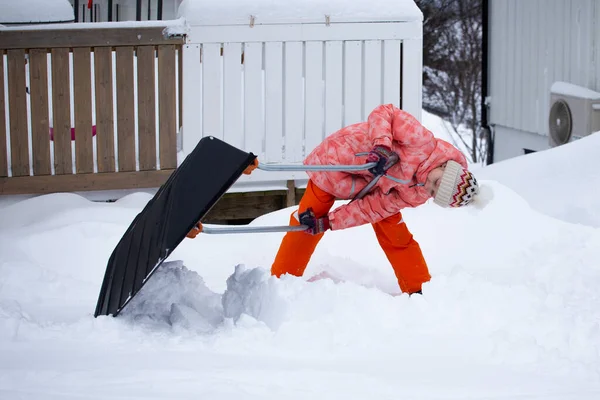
pixel 19 143
pixel 211 95
pixel 146 107
pixel 412 65
pixel 82 100
pixel 274 101
pixel 314 95
pixel 167 93
pixel 233 129
pixel 254 130
pixel 353 83
pixel 333 87
pixel 61 111
pixel 3 149
pixel 40 126
pixel 179 51
pixel 293 104
pixel 192 97
pixel 105 143
pixel 373 84
pixel 391 72
pixel 125 109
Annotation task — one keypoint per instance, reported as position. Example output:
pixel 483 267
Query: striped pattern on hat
pixel 457 188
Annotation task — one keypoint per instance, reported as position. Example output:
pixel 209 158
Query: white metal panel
pixel 512 60
pixel 595 64
pixel 254 130
pixel 533 44
pixel 274 101
pixel 353 82
pixel 293 100
pixel 507 44
pixel 333 86
pixel 582 58
pixel 558 40
pixel 299 32
pixel 391 72
pixel 412 65
pixel 372 77
pixel 191 97
pixel 529 87
pixel 233 126
pixel 313 102
pixel 519 64
pixel 211 90
pixel 541 73
pixel 497 58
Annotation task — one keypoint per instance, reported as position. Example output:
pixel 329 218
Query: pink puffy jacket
pixel 387 125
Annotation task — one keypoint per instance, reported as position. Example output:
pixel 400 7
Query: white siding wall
pixel 514 143
pixel 534 43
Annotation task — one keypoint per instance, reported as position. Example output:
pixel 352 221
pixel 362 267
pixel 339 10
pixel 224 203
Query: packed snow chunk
pixel 292 306
pixel 255 293
pixel 177 298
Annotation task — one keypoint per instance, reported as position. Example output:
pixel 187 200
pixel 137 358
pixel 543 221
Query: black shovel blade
pixel 183 200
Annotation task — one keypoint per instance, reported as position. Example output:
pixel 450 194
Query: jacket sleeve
pixel 387 123
pixel 370 209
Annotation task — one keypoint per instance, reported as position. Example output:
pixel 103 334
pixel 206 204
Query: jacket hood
pixel 442 152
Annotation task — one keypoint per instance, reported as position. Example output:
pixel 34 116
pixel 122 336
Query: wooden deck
pixel 116 88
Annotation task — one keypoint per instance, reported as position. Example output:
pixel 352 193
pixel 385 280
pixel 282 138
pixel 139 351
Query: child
pixel 420 167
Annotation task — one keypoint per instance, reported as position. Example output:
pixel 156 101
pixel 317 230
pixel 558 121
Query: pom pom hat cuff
pixel 457 188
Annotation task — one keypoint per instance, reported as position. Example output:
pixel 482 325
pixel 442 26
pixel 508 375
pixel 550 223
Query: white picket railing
pixel 278 90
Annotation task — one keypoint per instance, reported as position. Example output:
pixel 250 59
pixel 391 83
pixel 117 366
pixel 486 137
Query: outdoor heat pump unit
pixel 574 113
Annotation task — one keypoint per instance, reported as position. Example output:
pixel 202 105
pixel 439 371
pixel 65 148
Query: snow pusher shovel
pixel 180 203
pixel 298 228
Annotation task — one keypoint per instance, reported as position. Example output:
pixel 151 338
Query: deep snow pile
pixel 561 182
pixel 511 311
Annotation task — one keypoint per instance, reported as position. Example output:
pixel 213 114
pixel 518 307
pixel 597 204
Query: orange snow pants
pixel 398 244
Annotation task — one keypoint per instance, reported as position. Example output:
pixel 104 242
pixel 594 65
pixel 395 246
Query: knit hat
pixel 457 188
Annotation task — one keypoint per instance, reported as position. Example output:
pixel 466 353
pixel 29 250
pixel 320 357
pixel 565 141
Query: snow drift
pixel 561 182
pixel 511 310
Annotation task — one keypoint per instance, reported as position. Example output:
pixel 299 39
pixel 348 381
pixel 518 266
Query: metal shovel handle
pixel 253 229
pixel 303 167
pixel 294 167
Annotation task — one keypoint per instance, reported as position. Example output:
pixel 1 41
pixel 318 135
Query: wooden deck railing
pixel 93 109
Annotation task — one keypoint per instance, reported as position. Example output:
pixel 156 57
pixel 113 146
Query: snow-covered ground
pixel 510 313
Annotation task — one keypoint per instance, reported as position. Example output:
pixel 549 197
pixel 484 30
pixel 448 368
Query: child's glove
pixel 315 225
pixel 384 157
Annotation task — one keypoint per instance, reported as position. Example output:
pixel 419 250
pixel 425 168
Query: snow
pixel 443 130
pixel 35 11
pixel 208 12
pixel 569 89
pixel 564 186
pixel 510 313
